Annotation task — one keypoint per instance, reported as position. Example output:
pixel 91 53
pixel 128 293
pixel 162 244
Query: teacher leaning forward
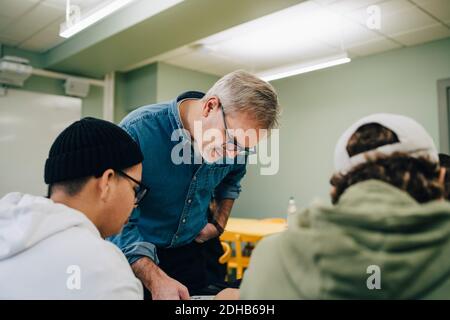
pixel 195 150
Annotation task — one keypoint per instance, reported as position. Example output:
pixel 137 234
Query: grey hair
pixel 241 92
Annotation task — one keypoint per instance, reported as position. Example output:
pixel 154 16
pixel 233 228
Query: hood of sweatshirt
pixel 26 220
pixel 376 243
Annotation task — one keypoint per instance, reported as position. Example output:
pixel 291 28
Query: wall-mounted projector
pixel 14 70
pixel 76 87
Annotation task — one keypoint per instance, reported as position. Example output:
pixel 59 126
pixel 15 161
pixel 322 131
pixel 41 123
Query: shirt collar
pixel 176 122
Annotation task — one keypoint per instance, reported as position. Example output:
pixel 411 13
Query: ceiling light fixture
pixel 292 70
pixel 68 31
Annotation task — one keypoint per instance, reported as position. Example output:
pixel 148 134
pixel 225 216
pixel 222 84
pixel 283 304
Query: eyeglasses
pixel 139 192
pixel 231 144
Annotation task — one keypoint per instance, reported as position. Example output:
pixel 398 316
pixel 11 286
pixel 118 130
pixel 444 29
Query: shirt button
pixel 195 178
pixel 184 221
pixel 189 200
pixel 176 236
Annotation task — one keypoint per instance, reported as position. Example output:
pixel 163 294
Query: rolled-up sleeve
pixel 230 186
pixel 131 242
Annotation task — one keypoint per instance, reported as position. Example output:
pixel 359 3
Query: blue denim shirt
pixel 176 208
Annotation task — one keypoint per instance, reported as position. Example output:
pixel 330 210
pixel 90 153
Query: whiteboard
pixel 29 123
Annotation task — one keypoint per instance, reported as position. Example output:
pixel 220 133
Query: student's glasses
pixel 140 191
pixel 231 144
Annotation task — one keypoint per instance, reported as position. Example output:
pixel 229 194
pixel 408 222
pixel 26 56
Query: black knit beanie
pixel 89 147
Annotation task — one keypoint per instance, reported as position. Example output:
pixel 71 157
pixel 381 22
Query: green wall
pixel 319 106
pixel 134 89
pixel 156 83
pixel 146 85
pixel 173 80
pixel 92 105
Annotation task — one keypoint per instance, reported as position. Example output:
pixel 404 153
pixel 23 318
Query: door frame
pixel 443 111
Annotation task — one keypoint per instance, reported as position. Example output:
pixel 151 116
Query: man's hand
pixel 228 294
pixel 208 232
pixel 161 286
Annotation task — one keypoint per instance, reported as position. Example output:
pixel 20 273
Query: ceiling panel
pixel 373 47
pixel 397 17
pixel 223 68
pixel 314 30
pixel 31 23
pixel 195 59
pixel 35 24
pixel 45 39
pixel 15 8
pixel 307 31
pixel 346 6
pixel 206 62
pixel 431 33
pixel 83 4
pixel 354 33
pixel 4 21
pixel 438 8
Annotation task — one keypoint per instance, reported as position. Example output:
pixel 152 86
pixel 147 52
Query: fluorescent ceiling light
pixel 288 71
pixel 96 16
pixel 300 32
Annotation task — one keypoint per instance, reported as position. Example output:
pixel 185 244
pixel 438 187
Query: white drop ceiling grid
pixel 34 24
pixel 312 33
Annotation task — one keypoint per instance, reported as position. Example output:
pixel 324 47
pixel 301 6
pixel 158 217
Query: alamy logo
pixel 374 280
pixel 74 279
pixel 374 20
pixel 210 146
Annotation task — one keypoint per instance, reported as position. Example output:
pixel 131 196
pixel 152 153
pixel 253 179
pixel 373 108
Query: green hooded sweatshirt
pixel 333 252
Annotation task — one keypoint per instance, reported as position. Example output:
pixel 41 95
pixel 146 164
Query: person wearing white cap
pixel 387 234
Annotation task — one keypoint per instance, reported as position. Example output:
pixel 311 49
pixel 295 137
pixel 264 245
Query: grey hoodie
pixel 50 251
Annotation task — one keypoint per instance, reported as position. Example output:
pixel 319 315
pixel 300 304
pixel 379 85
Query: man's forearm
pixel 223 211
pixel 161 286
pixel 147 271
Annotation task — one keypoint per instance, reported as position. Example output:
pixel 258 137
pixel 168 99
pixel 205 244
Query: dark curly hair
pixel 444 160
pixel 417 176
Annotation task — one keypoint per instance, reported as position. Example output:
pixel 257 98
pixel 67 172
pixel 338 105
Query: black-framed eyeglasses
pixel 231 144
pixel 140 191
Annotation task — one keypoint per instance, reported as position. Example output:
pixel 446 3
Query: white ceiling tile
pixel 45 39
pixel 373 47
pixel 222 68
pixel 84 5
pixel 438 8
pixel 4 21
pixel 325 2
pixel 58 4
pixel 345 6
pixel 404 20
pixel 274 53
pixel 217 67
pixel 15 8
pixel 193 59
pixel 297 57
pixel 431 33
pixel 31 23
pixel 397 16
pixel 354 33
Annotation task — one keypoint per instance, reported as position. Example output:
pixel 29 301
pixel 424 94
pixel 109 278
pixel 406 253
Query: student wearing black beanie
pixel 86 156
pixel 94 171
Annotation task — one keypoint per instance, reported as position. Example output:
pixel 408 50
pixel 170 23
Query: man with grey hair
pixel 195 149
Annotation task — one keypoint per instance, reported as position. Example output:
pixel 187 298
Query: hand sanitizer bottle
pixel 291 211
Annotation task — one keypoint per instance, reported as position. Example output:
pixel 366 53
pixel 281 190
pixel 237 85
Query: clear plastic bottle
pixel 291 211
